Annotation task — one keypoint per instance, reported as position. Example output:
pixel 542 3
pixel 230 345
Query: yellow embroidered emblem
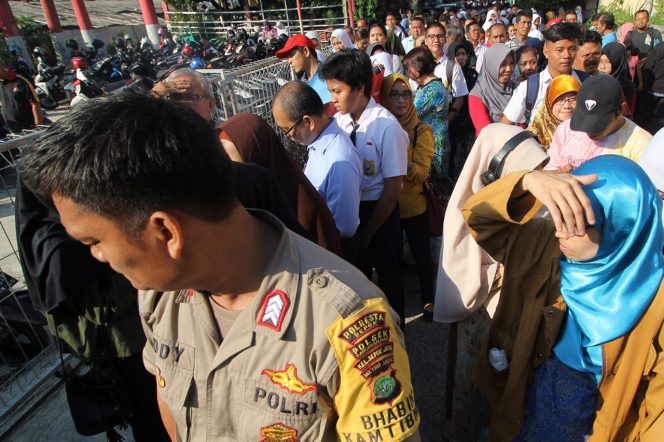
pixel 278 433
pixel 287 380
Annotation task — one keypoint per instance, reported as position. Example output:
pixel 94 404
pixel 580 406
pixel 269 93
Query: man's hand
pixel 173 86
pixel 562 194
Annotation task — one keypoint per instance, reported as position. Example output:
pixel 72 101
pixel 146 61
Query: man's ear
pixel 165 229
pixel 309 121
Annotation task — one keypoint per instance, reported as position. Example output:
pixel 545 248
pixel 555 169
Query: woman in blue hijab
pixel 598 370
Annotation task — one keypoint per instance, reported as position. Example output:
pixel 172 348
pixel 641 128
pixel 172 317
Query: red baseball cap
pixel 296 41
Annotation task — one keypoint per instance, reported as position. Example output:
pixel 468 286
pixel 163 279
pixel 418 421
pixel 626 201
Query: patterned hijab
pixel 545 123
pixel 493 94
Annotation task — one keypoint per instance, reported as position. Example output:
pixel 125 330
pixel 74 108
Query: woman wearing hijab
pixel 431 102
pixel 340 40
pixel 614 62
pixel 536 23
pixel 491 19
pixel 575 348
pixel 494 87
pixel 397 97
pixel 378 34
pixel 559 103
pixel 248 138
pixel 462 131
pixel 469 280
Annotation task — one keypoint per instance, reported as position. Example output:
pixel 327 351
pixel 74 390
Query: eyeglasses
pixel 184 97
pixel 438 37
pixel 406 95
pixel 287 132
pixel 568 100
pixel 605 62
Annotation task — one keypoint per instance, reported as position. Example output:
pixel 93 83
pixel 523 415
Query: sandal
pixel 427 312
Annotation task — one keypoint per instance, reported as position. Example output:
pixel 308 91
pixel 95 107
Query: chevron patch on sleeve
pixel 273 310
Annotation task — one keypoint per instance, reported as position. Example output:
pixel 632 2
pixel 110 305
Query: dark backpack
pixel 532 86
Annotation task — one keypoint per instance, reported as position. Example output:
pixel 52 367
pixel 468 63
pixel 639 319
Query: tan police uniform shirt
pixel 317 356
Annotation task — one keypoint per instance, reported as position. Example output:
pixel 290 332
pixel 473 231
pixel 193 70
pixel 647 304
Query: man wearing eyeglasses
pixel 333 165
pixel 455 83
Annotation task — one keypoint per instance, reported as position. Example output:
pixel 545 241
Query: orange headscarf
pixel 545 123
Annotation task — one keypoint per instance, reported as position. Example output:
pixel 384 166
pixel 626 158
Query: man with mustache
pixel 589 51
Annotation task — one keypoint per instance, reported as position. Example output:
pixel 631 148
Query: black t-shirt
pixel 16 96
pixel 644 41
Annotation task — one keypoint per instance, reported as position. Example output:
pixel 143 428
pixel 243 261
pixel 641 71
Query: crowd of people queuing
pixel 532 135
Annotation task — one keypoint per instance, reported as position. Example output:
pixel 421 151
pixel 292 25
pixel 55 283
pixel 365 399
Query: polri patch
pixel 279 433
pixel 287 380
pixel 273 310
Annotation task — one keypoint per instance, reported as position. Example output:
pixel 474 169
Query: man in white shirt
pixel 416 31
pixel 560 49
pixel 473 36
pixel 434 40
pixel 382 145
pixel 333 165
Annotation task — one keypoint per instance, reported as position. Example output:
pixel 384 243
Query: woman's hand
pixel 562 194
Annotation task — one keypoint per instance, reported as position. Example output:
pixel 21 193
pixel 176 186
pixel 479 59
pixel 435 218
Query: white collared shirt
pixel 516 108
pixel 382 145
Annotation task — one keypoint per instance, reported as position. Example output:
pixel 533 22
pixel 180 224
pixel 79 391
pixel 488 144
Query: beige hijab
pixel 467 272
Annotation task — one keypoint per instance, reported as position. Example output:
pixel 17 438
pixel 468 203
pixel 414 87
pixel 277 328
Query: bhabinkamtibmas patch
pixel 375 400
pixel 369 342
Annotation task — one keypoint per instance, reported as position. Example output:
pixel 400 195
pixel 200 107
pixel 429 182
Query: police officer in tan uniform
pixel 254 333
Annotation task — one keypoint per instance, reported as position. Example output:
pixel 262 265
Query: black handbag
pixel 96 399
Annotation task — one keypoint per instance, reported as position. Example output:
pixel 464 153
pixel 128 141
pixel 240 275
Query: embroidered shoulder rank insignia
pixel 278 433
pixel 287 380
pixel 273 311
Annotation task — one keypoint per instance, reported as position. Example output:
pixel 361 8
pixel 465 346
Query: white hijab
pixel 466 272
pixel 488 23
pixel 343 36
pixel 383 59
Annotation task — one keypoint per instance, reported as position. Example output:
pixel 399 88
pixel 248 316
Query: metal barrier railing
pixel 250 89
pixel 314 18
pixel 27 353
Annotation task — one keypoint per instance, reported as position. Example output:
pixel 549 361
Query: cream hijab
pixel 466 272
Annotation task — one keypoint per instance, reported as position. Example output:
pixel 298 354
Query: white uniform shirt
pixel 516 108
pixel 459 87
pixel 480 50
pixel 382 145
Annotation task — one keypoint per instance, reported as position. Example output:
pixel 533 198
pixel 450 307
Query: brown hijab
pixel 258 143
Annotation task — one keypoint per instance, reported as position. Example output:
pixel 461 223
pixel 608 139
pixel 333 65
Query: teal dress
pixel 432 103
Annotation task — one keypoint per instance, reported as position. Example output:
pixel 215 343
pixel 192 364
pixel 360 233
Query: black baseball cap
pixel 598 101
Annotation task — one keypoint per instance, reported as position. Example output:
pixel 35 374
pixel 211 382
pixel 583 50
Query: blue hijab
pixel 607 295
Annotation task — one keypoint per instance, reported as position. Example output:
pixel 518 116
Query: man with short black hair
pixel 382 146
pixel 333 166
pixel 301 54
pixel 524 20
pixel 416 32
pixel 570 17
pixel 497 33
pixel 589 52
pixel 456 82
pixel 606 26
pixel 643 37
pixel 560 47
pixel 473 36
pixel 238 311
pixel 392 23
